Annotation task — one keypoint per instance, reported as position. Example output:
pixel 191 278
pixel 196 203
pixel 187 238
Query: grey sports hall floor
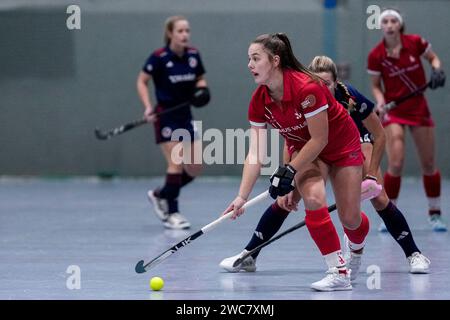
pixel 105 227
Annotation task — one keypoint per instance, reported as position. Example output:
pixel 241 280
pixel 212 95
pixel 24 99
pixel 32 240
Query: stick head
pixel 140 267
pixel 99 135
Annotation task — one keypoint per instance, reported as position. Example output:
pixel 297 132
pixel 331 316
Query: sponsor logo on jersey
pixel 193 62
pixel 166 132
pixel 309 101
pixel 363 107
pixel 182 77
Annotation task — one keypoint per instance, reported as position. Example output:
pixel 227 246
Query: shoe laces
pixel 178 217
pixel 417 258
pixel 333 273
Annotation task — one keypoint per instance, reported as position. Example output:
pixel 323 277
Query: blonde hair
pixel 325 64
pixel 169 25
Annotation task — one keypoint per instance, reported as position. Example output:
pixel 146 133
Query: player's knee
pixel 428 167
pixel 314 202
pixel 175 168
pixel 396 167
pixel 194 170
pixel 351 220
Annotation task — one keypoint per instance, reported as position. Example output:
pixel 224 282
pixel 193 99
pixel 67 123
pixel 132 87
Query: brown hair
pixel 278 44
pixel 169 25
pixel 325 64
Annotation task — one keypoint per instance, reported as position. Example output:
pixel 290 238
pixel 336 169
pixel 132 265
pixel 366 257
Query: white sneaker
pixel 248 265
pixel 382 228
pixel 437 223
pixel 418 263
pixel 176 221
pixel 353 259
pixel 334 281
pixel 160 205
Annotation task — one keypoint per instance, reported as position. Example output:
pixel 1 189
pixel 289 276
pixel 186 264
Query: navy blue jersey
pixel 361 110
pixel 174 76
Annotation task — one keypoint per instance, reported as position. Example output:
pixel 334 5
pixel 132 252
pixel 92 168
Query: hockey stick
pixel 365 195
pixel 105 135
pixel 141 267
pixel 391 105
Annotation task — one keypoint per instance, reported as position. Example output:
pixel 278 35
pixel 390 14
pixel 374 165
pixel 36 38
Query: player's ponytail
pixel 351 103
pixel 279 44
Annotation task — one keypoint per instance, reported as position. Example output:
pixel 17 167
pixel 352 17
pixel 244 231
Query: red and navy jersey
pixel 174 76
pixel 402 76
pixel 304 98
pixel 362 109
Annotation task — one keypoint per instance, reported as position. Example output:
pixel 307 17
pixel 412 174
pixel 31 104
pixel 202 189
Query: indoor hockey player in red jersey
pixel 323 142
pixel 396 70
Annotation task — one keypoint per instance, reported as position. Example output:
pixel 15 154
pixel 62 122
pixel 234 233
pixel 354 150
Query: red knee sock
pixel 322 230
pixel 432 185
pixel 358 235
pixel 392 185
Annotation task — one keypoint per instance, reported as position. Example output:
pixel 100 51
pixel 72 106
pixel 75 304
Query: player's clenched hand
pixel 437 79
pixel 236 205
pixel 149 115
pixel 290 201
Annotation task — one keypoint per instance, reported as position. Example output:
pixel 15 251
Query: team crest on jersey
pixel 309 101
pixel 363 107
pixel 166 132
pixel 193 62
pixel 297 114
pixel 169 64
pixel 412 59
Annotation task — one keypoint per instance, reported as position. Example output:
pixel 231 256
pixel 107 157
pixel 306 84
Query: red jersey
pixel 304 98
pixel 402 76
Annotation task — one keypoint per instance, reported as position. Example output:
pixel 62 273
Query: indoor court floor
pixel 103 227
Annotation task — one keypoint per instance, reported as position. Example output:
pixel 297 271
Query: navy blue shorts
pixel 165 127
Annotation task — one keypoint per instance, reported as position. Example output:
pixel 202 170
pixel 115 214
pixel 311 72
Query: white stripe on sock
pixel 335 259
pixel 434 203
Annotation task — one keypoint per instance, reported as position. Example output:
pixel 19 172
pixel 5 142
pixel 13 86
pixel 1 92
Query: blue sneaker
pixel 382 228
pixel 437 223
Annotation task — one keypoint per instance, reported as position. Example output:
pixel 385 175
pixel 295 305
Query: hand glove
pixel 370 188
pixel 437 79
pixel 282 181
pixel 201 97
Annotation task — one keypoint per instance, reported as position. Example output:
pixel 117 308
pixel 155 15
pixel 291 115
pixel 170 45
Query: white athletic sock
pixel 335 260
pixel 356 246
pixel 434 203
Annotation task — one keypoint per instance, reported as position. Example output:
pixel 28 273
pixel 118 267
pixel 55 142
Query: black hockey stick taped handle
pixel 391 105
pixel 105 135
